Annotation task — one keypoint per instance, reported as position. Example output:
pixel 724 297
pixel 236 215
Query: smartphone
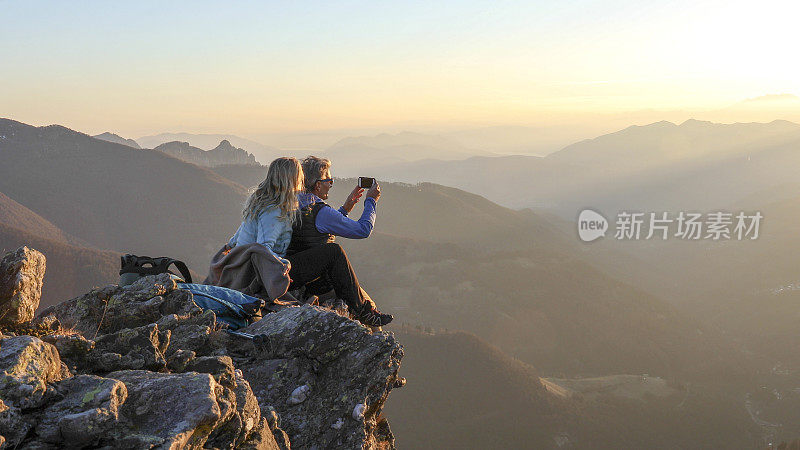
pixel 365 182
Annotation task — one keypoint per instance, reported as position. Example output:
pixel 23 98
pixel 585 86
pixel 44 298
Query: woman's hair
pixel 279 190
pixel 313 168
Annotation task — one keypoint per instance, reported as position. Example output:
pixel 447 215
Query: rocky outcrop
pixel 21 274
pixel 97 383
pixel 325 375
pixel 223 154
pixel 142 366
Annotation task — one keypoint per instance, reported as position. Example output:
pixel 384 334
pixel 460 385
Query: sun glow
pixel 265 68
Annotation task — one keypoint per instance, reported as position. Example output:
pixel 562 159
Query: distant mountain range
pixel 663 161
pixel 521 140
pixel 73 264
pixel 444 258
pixel 111 137
pixel 353 155
pixel 224 153
pixel 261 152
pixel 773 98
pixel 117 197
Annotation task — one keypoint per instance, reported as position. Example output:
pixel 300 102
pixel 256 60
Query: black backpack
pixel 134 267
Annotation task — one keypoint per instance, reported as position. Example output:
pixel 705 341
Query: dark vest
pixel 304 232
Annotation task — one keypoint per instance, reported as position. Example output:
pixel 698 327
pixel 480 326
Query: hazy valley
pixel 519 295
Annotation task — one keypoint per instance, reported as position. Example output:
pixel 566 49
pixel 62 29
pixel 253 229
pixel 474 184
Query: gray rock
pixel 262 439
pixel 46 323
pixel 12 425
pixel 27 365
pixel 178 409
pixel 87 415
pixel 342 362
pixel 247 404
pixel 274 422
pixel 21 274
pixel 142 409
pixel 73 349
pixel 245 419
pixel 220 367
pixel 179 359
pixel 152 299
pixel 188 410
pixel 131 348
pixel 358 411
pixel 298 395
pixel 198 333
pixel 113 308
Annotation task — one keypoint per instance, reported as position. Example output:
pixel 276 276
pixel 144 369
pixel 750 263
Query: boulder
pixel 27 365
pixel 188 410
pixel 21 274
pixel 87 415
pixel 142 409
pixel 334 364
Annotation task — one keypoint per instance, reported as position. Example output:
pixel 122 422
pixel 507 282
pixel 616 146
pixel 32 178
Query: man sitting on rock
pixel 320 223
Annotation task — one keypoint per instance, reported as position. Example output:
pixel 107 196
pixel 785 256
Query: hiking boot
pixel 375 318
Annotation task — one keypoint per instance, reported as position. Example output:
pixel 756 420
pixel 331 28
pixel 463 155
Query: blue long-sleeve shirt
pixel 337 223
pixel 268 230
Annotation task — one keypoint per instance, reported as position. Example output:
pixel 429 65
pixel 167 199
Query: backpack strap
pixel 181 266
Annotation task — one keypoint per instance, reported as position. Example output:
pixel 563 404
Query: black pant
pixel 328 260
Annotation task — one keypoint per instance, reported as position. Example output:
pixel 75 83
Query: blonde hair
pixel 313 168
pixel 278 190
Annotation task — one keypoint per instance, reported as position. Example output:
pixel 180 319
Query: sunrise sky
pixel 257 67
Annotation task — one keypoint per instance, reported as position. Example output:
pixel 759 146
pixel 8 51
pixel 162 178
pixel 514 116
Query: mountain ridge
pixel 117 197
pixel 18 216
pixel 222 154
pixel 261 151
pixel 111 137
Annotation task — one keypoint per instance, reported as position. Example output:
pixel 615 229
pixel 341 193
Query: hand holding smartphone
pixel 365 182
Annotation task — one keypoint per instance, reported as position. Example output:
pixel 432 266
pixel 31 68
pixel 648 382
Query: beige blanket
pixel 250 269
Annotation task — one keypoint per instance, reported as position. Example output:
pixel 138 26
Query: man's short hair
pixel 313 168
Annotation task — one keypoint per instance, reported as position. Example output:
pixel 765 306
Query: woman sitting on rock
pixel 269 214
